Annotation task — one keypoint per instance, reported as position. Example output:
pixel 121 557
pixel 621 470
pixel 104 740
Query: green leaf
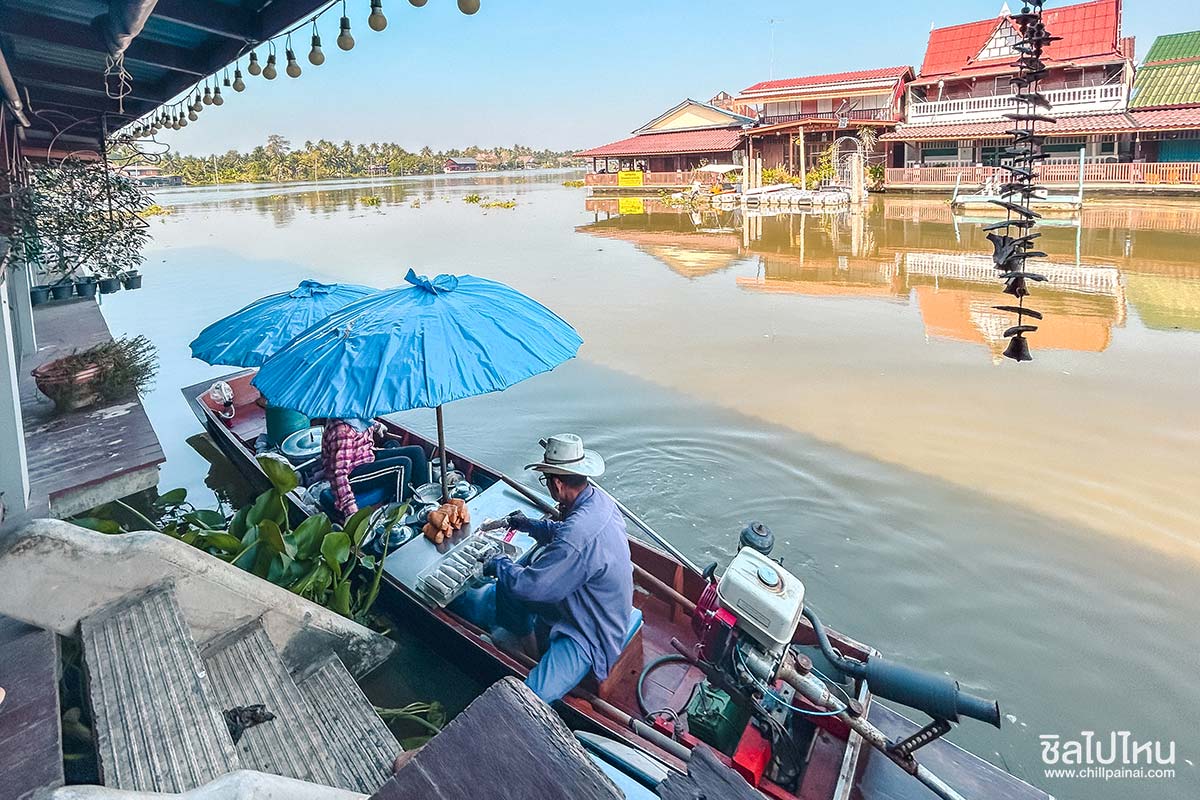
pixel 263 559
pixel 368 562
pixel 269 505
pixel 237 525
pixel 98 524
pixel 280 473
pixel 341 598
pixel 270 536
pixel 171 498
pixel 279 567
pixel 309 535
pixel 356 526
pixel 251 537
pixel 248 557
pixel 335 547
pixel 206 518
pixel 221 541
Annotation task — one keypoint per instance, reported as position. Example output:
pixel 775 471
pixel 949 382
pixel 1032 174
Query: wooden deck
pixel 88 457
pixel 30 736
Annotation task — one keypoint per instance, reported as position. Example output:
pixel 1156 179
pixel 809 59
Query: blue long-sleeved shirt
pixel 585 571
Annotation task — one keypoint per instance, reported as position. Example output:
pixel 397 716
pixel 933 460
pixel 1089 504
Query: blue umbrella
pixel 248 337
pixel 417 346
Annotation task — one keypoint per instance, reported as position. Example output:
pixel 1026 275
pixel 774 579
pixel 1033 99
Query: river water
pixel 1032 529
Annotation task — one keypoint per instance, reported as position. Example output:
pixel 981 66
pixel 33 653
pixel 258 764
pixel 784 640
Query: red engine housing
pixel 712 623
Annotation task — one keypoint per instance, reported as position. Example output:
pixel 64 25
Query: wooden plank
pixel 30 733
pixel 84 448
pixel 507 744
pixel 707 779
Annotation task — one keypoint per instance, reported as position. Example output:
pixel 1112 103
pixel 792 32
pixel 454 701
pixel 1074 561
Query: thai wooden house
pixel 957 102
pixel 1165 103
pixel 667 148
pixel 460 164
pixel 799 117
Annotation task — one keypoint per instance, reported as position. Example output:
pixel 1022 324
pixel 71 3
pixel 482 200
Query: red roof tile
pixel 892 73
pixel 1088 29
pixel 1167 119
pixel 719 140
pixel 1093 123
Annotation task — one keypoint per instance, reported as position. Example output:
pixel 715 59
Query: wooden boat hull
pixel 837 767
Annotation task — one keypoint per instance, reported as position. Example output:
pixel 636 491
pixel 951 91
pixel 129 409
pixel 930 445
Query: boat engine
pixel 764 698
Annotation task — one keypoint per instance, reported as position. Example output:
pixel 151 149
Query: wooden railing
pixel 879 114
pixel 652 179
pixel 1096 99
pixel 1066 174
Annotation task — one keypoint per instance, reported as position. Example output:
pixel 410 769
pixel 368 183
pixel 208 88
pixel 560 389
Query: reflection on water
pixel 917 252
pixel 1031 529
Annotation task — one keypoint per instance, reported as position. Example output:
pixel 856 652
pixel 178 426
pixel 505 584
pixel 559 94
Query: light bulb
pixel 239 85
pixel 207 96
pixel 269 71
pixel 182 122
pixel 345 40
pixel 316 56
pixel 377 21
pixel 193 116
pixel 293 69
pixel 468 6
pixel 417 3
pixel 217 99
pixel 254 68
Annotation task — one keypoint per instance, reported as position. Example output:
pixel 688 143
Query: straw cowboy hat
pixel 565 456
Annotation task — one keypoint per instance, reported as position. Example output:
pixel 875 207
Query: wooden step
pixel 246 670
pixel 356 739
pixel 30 737
pixel 157 723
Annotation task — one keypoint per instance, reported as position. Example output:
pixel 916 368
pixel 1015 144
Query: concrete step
pixel 246 670
pixel 157 722
pixel 356 739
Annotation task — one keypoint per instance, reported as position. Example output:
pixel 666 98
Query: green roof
pixel 1173 46
pixel 1167 85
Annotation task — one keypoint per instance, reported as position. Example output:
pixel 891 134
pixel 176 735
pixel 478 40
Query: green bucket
pixel 283 422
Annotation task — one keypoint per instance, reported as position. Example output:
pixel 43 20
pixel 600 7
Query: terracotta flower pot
pixel 69 390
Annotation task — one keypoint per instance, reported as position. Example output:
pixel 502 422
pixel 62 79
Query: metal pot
pixel 429 494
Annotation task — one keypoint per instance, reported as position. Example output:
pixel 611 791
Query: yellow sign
pixel 631 205
pixel 632 177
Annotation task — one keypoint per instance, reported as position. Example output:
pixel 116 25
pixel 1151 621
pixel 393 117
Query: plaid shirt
pixel 343 449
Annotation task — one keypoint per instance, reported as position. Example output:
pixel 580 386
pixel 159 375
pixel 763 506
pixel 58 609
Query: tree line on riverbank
pixel 276 160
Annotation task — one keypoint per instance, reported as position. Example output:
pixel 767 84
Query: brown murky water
pixel 1032 529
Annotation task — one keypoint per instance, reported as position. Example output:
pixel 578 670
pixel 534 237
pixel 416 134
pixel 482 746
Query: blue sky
pixel 571 74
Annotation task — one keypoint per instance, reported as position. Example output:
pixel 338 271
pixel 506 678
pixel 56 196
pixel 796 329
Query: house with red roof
pixel 683 138
pixel 799 117
pixel 957 101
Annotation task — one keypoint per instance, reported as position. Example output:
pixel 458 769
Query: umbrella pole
pixel 442 454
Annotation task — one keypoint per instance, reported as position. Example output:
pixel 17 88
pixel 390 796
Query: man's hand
pixel 519 522
pixel 489 566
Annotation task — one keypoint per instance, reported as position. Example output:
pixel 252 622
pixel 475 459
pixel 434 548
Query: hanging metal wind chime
pixel 1014 247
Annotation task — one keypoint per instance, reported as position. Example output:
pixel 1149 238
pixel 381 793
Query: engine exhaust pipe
pixel 939 696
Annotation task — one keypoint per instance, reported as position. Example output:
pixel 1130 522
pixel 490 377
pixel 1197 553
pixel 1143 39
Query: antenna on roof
pixel 772 22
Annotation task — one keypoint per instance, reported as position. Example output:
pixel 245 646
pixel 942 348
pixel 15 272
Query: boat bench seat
pixel 629 663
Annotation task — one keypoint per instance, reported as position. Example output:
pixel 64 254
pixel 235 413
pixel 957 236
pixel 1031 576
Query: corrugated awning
pixel 1067 126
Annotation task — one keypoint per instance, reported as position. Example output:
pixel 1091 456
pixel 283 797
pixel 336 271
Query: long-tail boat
pixel 737 663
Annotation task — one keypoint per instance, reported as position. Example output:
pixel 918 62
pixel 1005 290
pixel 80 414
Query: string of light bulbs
pixel 178 113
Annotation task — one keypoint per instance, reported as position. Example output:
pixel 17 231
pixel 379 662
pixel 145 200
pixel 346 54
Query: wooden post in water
pixel 803 162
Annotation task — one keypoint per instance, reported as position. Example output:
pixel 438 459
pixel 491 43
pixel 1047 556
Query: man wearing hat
pixel 577 592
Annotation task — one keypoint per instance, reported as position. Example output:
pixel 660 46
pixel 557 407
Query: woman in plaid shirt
pixel 348 444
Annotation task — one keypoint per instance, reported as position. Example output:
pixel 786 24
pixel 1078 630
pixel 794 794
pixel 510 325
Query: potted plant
pixel 63 289
pixel 76 215
pixel 39 294
pixel 131 279
pixel 108 371
pixel 85 286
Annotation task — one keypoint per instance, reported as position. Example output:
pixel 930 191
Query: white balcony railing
pixel 1081 100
